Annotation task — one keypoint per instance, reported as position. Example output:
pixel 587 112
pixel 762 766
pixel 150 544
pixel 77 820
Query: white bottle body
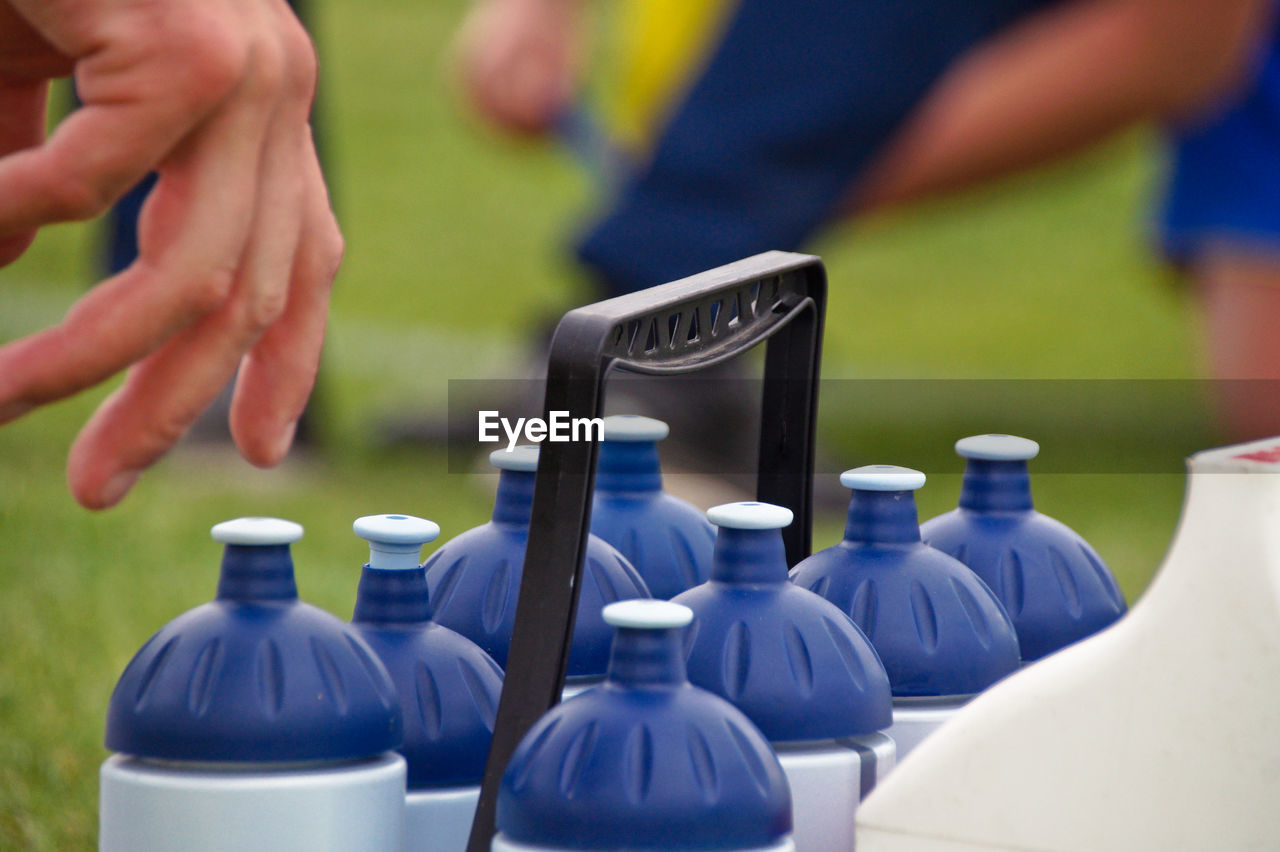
pixel 578 685
pixel 152 806
pixel 916 718
pixel 828 778
pixel 502 843
pixel 439 820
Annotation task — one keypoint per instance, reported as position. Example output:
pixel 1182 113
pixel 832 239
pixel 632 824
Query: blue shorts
pixel 1224 181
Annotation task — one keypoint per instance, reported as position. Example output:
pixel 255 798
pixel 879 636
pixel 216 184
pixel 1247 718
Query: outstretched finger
pixel 124 438
pixel 168 391
pixel 278 374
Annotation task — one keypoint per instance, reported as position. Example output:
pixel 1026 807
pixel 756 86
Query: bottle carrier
pixel 776 298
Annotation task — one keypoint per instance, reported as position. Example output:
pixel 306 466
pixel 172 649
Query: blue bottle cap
pixel 448 686
pixel 793 662
pixel 474 578
pixel 255 676
pixel 1054 585
pixel 938 629
pixel 646 761
pixel 667 540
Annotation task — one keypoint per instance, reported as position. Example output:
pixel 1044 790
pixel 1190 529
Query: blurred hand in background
pixel 519 60
pixel 238 246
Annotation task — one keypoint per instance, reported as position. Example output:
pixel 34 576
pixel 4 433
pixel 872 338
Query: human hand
pixel 518 61
pixel 238 246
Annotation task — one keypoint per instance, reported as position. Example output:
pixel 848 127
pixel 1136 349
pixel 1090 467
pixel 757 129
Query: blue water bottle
pixel 1055 587
pixel 644 761
pixel 254 722
pixel 474 578
pixel 448 687
pixel 667 540
pixel 940 632
pixel 799 668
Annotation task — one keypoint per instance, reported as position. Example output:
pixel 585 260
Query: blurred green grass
pixel 455 244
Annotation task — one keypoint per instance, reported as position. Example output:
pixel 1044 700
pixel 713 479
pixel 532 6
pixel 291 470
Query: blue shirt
pixel 792 104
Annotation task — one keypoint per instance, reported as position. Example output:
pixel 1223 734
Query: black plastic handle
pixel 679 327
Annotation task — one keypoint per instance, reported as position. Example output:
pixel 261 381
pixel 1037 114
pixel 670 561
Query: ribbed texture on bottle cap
pixel 254 677
pixel 1055 587
pixel 474 582
pixel 938 629
pixel 644 764
pixel 794 663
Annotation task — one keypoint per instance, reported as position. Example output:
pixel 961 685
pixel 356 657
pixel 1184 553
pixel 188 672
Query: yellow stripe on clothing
pixel 660 45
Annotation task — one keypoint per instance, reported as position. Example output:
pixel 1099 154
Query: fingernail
pixel 285 440
pixel 14 410
pixel 118 486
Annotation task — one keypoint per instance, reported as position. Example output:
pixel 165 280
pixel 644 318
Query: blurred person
pixel 1212 80
pixel 237 244
pixel 753 151
pixel 799 115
